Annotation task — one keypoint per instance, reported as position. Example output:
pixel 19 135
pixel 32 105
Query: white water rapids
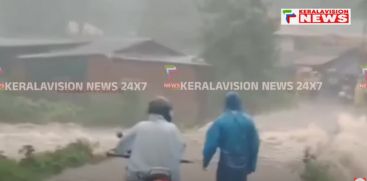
pixel 332 133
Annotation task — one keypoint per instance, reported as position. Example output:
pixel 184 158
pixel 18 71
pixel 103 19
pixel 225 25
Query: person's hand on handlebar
pixel 110 153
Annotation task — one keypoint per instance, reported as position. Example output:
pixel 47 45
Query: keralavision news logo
pixel 170 70
pixel 316 16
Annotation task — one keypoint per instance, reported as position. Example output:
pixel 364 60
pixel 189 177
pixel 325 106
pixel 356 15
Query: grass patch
pixel 123 110
pixel 10 170
pixel 17 109
pixel 40 166
pixel 316 171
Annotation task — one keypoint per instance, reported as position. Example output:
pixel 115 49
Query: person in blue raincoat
pixel 236 136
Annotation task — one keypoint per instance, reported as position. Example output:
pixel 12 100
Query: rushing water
pixel 332 133
pixel 345 148
pixel 50 136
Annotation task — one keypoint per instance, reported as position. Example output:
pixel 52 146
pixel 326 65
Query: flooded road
pixel 332 132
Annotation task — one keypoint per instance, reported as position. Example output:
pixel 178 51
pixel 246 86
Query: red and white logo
pixel 360 179
pixel 316 16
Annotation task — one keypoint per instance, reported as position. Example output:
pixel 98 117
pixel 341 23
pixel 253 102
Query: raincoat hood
pixel 233 102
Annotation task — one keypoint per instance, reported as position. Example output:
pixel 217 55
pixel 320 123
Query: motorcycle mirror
pixel 119 134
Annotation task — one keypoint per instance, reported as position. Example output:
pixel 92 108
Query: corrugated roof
pixel 167 59
pixel 98 47
pixel 118 48
pixel 315 56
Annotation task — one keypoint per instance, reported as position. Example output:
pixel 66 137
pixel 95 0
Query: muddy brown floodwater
pixel 332 132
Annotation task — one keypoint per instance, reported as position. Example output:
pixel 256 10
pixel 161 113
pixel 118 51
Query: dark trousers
pixel 228 174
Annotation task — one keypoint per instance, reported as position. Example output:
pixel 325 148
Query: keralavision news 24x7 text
pixel 244 86
pixel 75 86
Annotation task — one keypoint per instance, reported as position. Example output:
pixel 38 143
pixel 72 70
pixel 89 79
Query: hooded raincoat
pixel 154 143
pixel 236 136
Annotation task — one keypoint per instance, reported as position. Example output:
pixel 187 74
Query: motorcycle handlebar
pixel 186 161
pixel 109 154
pixel 113 154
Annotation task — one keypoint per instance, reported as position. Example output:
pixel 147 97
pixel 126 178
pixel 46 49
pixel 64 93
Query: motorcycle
pixel 154 174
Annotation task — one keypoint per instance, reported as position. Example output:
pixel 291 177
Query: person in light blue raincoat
pixel 236 136
pixel 156 142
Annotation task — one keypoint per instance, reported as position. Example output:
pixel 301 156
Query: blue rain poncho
pixel 236 136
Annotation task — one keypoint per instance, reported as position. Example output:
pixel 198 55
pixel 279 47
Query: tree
pixel 238 38
pixel 239 42
pixel 362 7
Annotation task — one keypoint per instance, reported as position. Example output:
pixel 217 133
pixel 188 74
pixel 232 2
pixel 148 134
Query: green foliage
pixel 316 171
pixel 361 10
pixel 239 39
pixel 22 109
pixel 240 44
pixel 50 163
pixel 11 171
pixel 59 111
pixel 39 166
pixel 124 110
pixel 17 108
